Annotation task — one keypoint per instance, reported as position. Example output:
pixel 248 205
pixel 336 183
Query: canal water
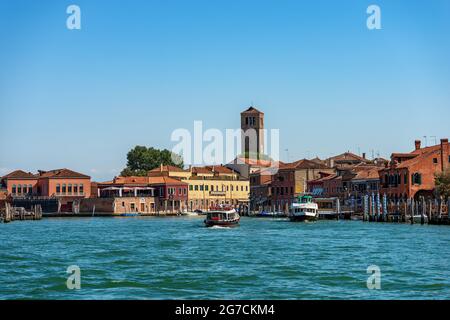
pixel 178 258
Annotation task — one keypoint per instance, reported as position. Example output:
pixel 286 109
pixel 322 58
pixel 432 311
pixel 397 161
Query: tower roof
pixel 252 110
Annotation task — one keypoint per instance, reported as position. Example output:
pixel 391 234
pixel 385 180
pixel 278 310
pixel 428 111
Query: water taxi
pixel 304 209
pixel 222 217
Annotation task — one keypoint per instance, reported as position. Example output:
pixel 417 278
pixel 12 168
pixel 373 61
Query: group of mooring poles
pixel 378 208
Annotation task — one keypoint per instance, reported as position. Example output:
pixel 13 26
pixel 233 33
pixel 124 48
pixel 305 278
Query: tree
pixel 141 159
pixel 442 181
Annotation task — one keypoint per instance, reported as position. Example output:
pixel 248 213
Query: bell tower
pixel 252 139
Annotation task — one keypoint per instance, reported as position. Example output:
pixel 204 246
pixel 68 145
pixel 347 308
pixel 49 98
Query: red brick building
pixel 62 183
pixel 412 174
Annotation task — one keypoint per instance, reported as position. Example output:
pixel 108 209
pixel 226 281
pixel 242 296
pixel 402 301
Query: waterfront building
pixel 122 195
pixel 20 183
pixel 365 182
pixel 316 186
pixel 291 181
pixel 209 185
pixel 411 175
pixel 277 187
pixel 65 185
pixel 260 190
pixel 165 194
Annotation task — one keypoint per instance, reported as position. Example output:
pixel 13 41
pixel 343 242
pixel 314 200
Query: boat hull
pixel 301 218
pixel 218 223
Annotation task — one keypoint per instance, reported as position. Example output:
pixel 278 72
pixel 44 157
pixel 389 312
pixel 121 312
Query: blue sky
pixel 137 70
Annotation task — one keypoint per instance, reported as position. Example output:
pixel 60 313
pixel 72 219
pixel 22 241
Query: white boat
pixel 222 217
pixel 304 209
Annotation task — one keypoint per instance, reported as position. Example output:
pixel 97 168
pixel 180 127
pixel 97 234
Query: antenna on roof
pixel 435 141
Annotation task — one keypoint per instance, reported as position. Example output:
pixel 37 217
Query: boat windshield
pixel 305 199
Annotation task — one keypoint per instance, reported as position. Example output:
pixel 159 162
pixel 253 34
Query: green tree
pixel 141 159
pixel 442 181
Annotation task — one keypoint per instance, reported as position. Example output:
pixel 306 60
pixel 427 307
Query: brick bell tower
pixel 252 119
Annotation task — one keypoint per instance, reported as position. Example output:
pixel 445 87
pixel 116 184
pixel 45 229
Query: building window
pixel 435 161
pixel 190 187
pixel 212 187
pixel 180 191
pixel 81 189
pixel 196 188
pixel 24 190
pixel 19 189
pixel 232 188
pixel 30 189
pixel 64 188
pixel 75 189
pixel 14 189
pixel 405 178
pixel 69 188
pixel 206 187
pixel 58 188
pixel 201 187
pixel 416 178
pixel 184 191
pixel 246 188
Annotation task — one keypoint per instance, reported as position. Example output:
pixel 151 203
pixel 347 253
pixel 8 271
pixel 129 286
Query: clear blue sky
pixel 137 70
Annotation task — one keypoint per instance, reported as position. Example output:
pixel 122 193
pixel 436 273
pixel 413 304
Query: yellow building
pixel 209 186
pixel 205 192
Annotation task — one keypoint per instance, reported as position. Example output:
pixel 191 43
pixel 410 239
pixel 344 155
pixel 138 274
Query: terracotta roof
pixel 164 180
pixel 330 177
pixel 131 180
pixel 303 164
pixel 252 110
pixel 167 168
pixel 347 156
pixel 220 169
pixel 255 162
pixel 367 174
pixel 19 174
pixel 204 170
pixel 144 180
pixel 420 154
pixel 62 173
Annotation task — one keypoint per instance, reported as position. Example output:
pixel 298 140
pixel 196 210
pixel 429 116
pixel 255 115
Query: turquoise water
pixel 177 258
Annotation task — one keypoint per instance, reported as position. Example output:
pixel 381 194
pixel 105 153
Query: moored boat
pixel 222 217
pixel 304 209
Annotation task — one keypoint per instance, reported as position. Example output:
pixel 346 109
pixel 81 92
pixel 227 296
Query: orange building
pixel 20 183
pixel 61 183
pixel 412 174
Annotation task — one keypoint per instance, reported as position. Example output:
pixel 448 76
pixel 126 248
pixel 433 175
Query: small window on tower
pixel 435 161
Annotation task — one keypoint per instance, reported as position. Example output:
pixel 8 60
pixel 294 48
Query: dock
pixel 10 213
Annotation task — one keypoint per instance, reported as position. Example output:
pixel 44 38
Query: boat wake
pixel 219 227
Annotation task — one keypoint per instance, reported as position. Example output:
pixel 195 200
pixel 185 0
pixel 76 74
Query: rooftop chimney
pixel 445 158
pixel 417 143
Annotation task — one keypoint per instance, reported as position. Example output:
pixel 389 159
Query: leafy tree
pixel 442 181
pixel 141 159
